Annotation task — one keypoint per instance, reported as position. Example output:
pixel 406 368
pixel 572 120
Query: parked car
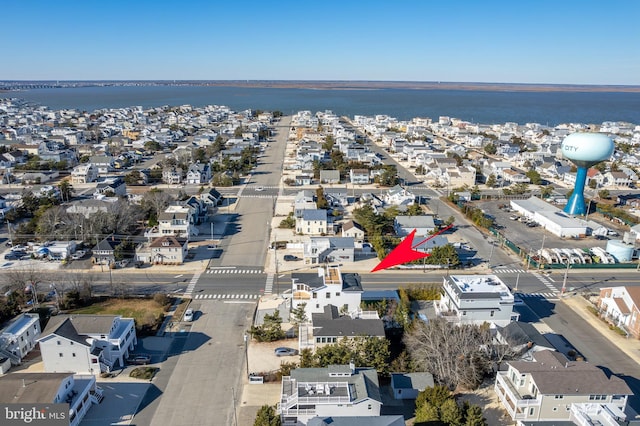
pixel 259 188
pixel 188 315
pixel 15 255
pixel 285 352
pixel 139 360
pixel 78 255
pixel 290 257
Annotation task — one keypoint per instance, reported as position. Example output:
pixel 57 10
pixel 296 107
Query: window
pixel 73 354
pixel 531 411
pixel 317 340
pixel 60 354
pixel 597 397
pixel 27 332
pixel 555 408
pixel 58 342
pixel 492 312
pixel 71 343
pixel 315 295
pixel 337 294
pixel 328 295
pixel 464 312
pixel 22 338
pixel 558 396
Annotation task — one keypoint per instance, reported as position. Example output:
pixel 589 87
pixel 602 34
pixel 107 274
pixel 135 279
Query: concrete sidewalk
pixel 579 305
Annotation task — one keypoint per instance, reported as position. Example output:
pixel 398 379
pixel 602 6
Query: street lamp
pixel 246 352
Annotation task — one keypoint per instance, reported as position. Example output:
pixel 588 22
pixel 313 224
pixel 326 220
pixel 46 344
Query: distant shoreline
pixel 329 85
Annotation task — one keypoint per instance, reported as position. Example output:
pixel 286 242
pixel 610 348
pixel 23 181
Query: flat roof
pixel 476 285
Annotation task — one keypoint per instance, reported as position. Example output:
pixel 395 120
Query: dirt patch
pixel 147 313
pixel 487 399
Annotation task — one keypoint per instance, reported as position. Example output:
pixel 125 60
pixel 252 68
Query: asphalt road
pixel 570 331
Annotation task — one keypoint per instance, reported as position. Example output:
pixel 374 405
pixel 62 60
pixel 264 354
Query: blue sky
pixel 523 41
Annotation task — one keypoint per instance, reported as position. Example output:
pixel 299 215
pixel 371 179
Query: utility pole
pixel 564 281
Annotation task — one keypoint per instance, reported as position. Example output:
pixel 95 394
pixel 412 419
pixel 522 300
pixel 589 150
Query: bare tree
pixel 455 354
pixel 82 282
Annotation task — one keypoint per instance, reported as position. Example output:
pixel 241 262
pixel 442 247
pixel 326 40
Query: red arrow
pixel 404 252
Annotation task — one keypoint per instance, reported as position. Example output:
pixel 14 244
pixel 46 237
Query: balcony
pixel 511 400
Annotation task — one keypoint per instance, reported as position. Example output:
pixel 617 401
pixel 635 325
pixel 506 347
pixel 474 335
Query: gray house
pixel 423 225
pixel 329 176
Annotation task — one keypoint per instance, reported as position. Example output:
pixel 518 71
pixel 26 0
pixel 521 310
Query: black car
pixel 290 257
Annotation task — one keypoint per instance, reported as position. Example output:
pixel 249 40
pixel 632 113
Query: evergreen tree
pixel 450 413
pixel 267 417
pixel 474 417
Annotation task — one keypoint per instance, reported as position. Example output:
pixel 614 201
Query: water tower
pixel 584 150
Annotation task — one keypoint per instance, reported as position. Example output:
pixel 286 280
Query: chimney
pixel 352 367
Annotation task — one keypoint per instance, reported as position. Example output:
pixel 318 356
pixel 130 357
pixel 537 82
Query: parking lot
pixel 533 238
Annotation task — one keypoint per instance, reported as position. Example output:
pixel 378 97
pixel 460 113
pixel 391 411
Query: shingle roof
pixel 30 388
pixel 553 374
pixel 317 214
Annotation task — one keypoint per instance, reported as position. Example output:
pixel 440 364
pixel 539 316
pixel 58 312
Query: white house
pixel 88 344
pixel 621 306
pixel 312 222
pixel 84 173
pixel 399 196
pixel 336 391
pixel 19 337
pixel 476 299
pixel 79 391
pixel 424 225
pixel 328 286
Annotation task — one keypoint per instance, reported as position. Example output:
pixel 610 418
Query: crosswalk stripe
pixel 234 271
pixel 226 296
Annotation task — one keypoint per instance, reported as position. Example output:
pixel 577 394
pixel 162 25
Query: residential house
pixel 168 250
pixel 546 389
pixel 90 206
pixel 28 389
pixel 84 173
pixel 336 391
pixel 211 197
pixel 390 420
pixel 359 176
pixel 104 163
pixel 328 286
pixel 616 179
pixel 514 176
pixel 620 306
pixel 302 179
pixel 114 187
pixel 177 221
pixel 329 249
pixel 354 230
pixel 199 174
pixel 424 225
pixel 409 385
pixel 4 209
pixel 104 251
pixel 476 299
pixel 399 196
pixel 336 197
pixel 329 176
pixel 522 338
pixel 172 175
pixel 88 344
pixel 313 222
pixel 460 176
pixel 305 200
pixel 19 337
pixel 330 327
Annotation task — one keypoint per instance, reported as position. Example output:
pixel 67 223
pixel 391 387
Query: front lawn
pixel 147 313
